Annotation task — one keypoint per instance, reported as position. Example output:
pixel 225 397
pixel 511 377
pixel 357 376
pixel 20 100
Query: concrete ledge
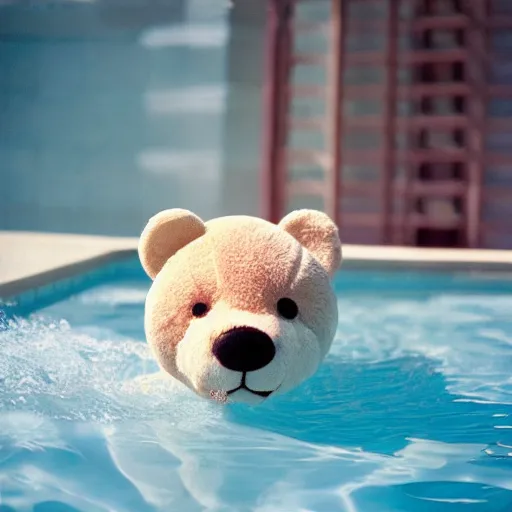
pixel 409 258
pixel 11 289
pixel 31 260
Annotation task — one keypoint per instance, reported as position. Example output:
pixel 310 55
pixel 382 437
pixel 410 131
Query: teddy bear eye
pixel 287 308
pixel 199 309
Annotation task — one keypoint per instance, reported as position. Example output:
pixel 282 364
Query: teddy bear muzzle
pixel 244 349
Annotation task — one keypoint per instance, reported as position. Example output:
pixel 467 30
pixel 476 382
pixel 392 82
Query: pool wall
pixel 23 297
pixel 38 269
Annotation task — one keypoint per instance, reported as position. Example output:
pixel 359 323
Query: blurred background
pixel 393 116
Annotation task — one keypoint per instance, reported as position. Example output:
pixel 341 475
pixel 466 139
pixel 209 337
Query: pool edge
pixel 10 289
pixel 22 296
pixel 413 258
pixel 111 255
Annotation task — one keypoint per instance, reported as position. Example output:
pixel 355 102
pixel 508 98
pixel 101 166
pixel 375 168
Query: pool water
pixel 411 411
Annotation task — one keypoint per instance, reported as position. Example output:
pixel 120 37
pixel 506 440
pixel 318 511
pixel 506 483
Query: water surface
pixel 411 411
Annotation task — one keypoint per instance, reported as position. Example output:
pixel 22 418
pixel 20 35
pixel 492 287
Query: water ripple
pixel 411 411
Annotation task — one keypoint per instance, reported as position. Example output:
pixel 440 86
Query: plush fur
pixel 240 267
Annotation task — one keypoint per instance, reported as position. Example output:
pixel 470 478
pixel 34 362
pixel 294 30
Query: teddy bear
pixel 240 309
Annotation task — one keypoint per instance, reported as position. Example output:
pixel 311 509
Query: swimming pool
pixel 411 411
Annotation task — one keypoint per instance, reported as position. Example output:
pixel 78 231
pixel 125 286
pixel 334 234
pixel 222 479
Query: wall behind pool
pixel 109 112
pixel 244 121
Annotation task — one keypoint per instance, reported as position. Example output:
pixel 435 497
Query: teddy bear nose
pixel 244 349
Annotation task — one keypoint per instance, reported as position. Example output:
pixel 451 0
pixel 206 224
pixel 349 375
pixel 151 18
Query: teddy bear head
pixel 240 308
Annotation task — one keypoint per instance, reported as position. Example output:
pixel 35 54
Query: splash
pixel 48 368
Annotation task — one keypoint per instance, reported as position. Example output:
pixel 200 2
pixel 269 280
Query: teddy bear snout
pixel 244 349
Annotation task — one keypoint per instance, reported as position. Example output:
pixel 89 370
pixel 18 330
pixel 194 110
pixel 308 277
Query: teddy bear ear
pixel 316 232
pixel 164 235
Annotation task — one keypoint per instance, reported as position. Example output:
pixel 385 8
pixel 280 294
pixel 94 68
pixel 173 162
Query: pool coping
pixel 413 258
pixel 10 289
pixel 89 258
pixel 37 269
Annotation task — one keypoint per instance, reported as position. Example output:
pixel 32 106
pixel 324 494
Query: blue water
pixel 412 410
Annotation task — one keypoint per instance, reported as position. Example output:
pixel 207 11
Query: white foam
pixel 53 370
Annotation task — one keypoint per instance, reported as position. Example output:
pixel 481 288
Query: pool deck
pixel 28 260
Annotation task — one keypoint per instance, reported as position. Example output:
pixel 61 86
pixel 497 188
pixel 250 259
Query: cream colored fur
pixel 240 267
